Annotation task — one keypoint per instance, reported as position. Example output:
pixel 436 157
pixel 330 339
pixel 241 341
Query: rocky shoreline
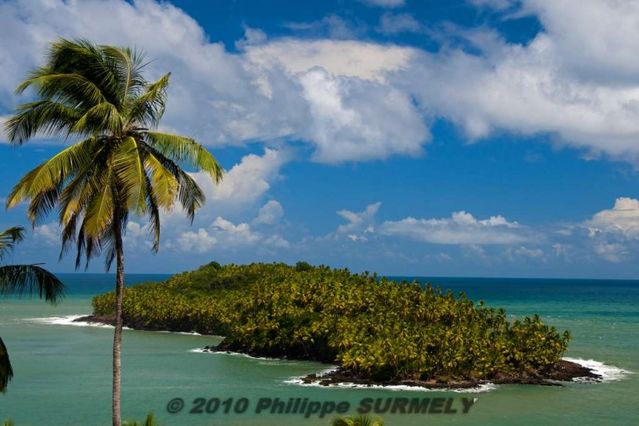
pixel 561 372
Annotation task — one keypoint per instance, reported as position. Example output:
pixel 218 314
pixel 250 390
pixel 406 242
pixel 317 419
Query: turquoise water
pixel 63 372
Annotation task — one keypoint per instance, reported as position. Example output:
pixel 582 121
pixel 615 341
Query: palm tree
pixel 357 421
pixel 118 166
pixel 20 279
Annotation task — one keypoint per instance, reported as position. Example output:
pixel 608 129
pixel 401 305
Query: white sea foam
pixel 70 320
pixel 299 382
pixel 206 351
pixel 608 373
pixel 481 388
pixel 186 333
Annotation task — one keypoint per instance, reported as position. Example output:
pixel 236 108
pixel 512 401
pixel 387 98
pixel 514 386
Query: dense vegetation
pixel 373 327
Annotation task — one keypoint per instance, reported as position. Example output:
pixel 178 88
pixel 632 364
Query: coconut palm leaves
pixel 372 327
pixel 98 92
pixel 22 279
pixel 357 421
pixel 119 164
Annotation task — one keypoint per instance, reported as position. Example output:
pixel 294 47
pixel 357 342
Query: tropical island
pixel 377 331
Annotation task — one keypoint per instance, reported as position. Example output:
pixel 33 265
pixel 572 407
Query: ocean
pixel 63 370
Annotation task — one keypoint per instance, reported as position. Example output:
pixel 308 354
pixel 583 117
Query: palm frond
pixel 48 175
pixel 98 119
pixel 30 279
pixel 42 203
pixel 6 371
pixel 148 108
pixel 183 149
pixel 45 117
pixel 154 213
pixel 87 59
pixel 357 421
pixel 163 182
pixel 190 195
pixel 66 88
pixel 129 169
pixel 121 168
pixel 99 211
pixel 9 238
pixel 126 64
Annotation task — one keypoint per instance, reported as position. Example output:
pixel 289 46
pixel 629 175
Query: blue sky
pixel 463 138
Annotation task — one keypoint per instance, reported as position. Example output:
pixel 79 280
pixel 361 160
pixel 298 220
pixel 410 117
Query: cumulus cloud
pixel 227 235
pixel 622 219
pixel 234 234
pixel 243 185
pixel 359 223
pixel 357 100
pixel 614 232
pixel 460 228
pixel 345 58
pixel 269 214
pixel 269 90
pixel 198 241
pixel 576 79
pixel 137 235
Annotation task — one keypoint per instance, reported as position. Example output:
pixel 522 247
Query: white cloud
pixel 526 252
pixel 137 235
pixel 276 241
pixel 240 193
pixel 622 219
pixel 391 23
pixel 613 231
pixel 227 235
pixel 460 228
pixel 384 3
pixel 576 79
pixel 592 39
pixel 612 252
pixel 48 233
pixel 331 26
pixel 199 241
pixel 252 36
pixel 269 214
pixel 495 4
pixel 352 100
pixel 245 184
pixel 234 234
pixel 349 58
pixel 222 98
pixel 373 121
pixel 440 257
pixel 359 223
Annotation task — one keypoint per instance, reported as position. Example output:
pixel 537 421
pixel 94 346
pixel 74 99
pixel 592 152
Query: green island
pixel 376 330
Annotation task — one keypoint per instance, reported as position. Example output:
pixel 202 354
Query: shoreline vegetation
pixel 377 331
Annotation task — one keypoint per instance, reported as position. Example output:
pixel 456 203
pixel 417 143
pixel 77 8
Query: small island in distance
pixel 376 330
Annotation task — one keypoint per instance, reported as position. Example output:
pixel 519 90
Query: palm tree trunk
pixel 117 334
